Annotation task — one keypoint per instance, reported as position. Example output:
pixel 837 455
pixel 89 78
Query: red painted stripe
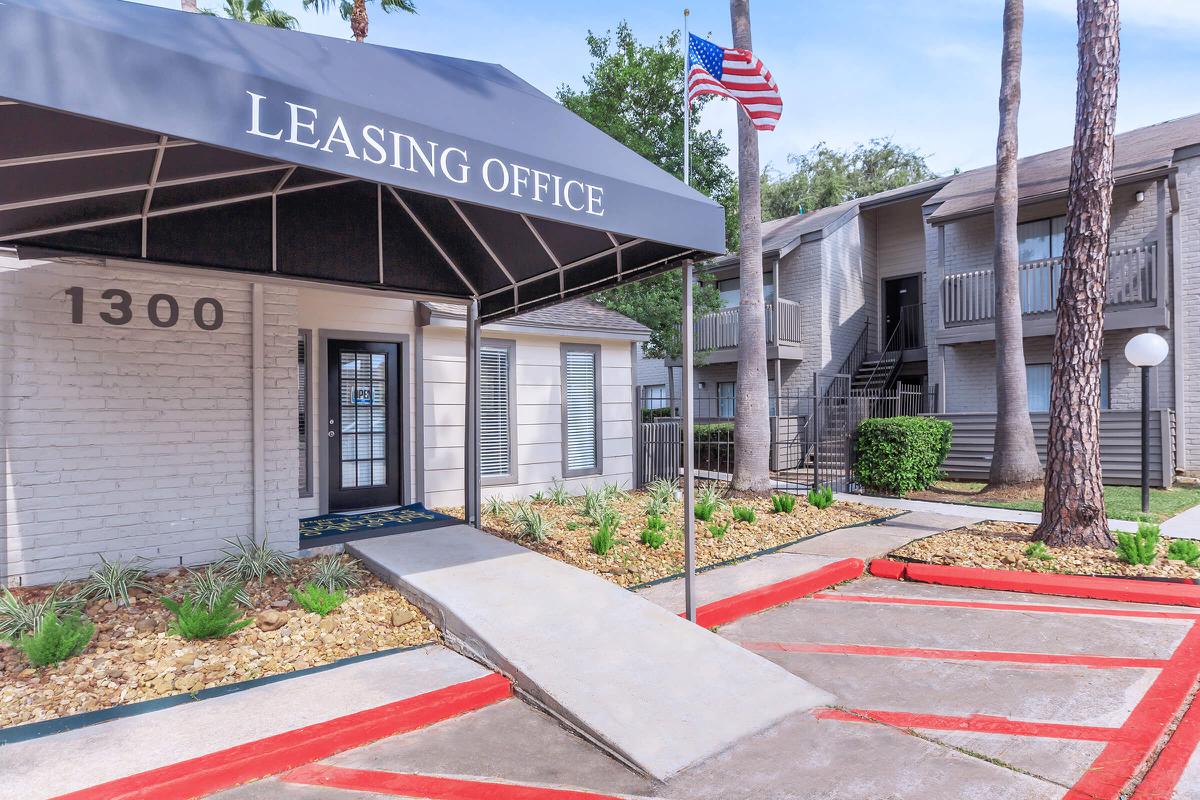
pixel 975 723
pixel 254 760
pixel 1106 662
pixel 1127 591
pixel 1164 776
pixel 931 601
pixel 430 787
pixel 884 568
pixel 1120 761
pixel 722 612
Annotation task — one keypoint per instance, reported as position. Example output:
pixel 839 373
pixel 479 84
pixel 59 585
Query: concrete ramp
pixel 656 690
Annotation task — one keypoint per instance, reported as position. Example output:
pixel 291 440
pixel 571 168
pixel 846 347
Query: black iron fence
pixel 810 439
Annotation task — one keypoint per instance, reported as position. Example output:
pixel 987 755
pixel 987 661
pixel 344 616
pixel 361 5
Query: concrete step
pixel 655 690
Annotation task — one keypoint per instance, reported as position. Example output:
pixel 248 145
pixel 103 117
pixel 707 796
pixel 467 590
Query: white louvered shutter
pixel 494 445
pixel 581 410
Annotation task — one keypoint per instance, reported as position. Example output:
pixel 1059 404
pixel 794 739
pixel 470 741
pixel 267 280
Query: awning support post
pixel 689 489
pixel 472 499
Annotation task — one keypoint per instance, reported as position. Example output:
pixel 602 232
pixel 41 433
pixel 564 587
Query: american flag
pixel 734 73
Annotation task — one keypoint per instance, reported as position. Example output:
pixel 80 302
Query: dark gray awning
pixel 144 133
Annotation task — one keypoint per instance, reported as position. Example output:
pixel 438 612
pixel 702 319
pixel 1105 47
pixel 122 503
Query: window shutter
pixel 495 452
pixel 581 410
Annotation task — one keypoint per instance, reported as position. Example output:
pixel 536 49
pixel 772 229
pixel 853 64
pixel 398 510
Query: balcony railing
pixel 719 330
pixel 969 298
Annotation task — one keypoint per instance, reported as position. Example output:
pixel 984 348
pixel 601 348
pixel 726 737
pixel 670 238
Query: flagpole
pixel 687 107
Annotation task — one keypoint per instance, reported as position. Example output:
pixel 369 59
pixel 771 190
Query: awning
pixel 144 133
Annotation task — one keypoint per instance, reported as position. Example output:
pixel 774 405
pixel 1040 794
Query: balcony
pixel 968 298
pixel 719 330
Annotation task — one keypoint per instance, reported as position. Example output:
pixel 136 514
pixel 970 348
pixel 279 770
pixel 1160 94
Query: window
pixel 497 418
pixel 726 398
pixel 581 409
pixel 1041 239
pixel 655 396
pixel 303 347
pixel 1038 378
pixel 731 290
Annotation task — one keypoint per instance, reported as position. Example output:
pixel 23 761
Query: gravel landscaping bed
pixel 132 657
pixel 630 562
pixel 1002 545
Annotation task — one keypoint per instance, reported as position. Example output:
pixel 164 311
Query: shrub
pixel 651 414
pixel 254 561
pixel 333 572
pixel 19 616
pixel 194 620
pixel 1184 550
pixel 653 539
pixel 207 586
pixel 559 494
pixel 744 514
pixel 901 454
pixel 717 530
pixel 707 504
pixel 820 496
pixel 1140 547
pixel 317 599
pixel 605 536
pixel 1039 551
pixel 112 580
pixel 783 503
pixel 57 640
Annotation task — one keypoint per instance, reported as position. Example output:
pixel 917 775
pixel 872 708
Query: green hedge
pixel 901 454
pixel 651 414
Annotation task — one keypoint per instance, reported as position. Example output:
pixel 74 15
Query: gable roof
pixel 582 314
pixel 1138 153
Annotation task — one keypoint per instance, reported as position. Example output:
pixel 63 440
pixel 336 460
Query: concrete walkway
pixel 74 760
pixel 659 692
pixel 1184 525
pixel 985 512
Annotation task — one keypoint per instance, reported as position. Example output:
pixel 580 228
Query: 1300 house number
pixel 161 309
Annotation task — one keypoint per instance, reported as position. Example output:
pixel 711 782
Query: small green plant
pixel 534 526
pixel 744 514
pixel 497 507
pixel 707 504
pixel 19 616
pixel 254 561
pixel 1184 550
pixel 656 507
pixel 717 530
pixel 783 503
pixel 559 494
pixel 194 620
pixel 206 587
pixel 333 572
pixel 538 496
pixel 57 640
pixel 1140 547
pixel 518 511
pixel 612 491
pixel 1039 551
pixel 663 490
pixel 317 599
pixel 605 535
pixel 820 496
pixel 653 538
pixel 112 581
pixel 572 525
pixel 595 504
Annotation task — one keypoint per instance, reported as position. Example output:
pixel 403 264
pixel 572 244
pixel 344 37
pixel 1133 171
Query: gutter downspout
pixel 258 412
pixel 1177 321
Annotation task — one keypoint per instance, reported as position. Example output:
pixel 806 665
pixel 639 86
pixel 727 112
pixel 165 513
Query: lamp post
pixel 1146 350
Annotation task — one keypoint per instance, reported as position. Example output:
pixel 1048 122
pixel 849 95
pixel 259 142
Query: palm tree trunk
pixel 1014 452
pixel 1074 509
pixel 752 426
pixel 359 21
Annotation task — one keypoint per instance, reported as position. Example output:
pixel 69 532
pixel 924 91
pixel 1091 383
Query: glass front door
pixel 363 430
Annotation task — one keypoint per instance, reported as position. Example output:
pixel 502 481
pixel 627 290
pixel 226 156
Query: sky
pixel 924 73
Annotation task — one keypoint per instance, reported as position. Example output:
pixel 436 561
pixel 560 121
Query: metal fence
pixel 810 441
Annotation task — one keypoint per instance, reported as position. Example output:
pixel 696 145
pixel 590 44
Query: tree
pixel 751 424
pixel 825 177
pixel 188 5
pixel 1074 514
pixel 1014 451
pixel 355 11
pixel 633 92
pixel 259 12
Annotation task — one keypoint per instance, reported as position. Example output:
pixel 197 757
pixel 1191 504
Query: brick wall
pixel 1188 338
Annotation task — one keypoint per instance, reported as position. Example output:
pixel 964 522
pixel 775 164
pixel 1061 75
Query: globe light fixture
pixel 1146 350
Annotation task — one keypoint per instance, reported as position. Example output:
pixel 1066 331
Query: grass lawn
pixel 1121 502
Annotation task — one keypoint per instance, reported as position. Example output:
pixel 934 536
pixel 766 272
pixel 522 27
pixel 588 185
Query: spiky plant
pixel 112 580
pixel 612 491
pixel 194 620
pixel 57 640
pixel 1184 550
pixel 537 497
pixel 744 514
pixel 784 503
pixel 534 526
pixel 559 494
pixel 717 530
pixel 317 599
pixel 497 507
pixel 606 534
pixel 663 489
pixel 656 507
pixel 254 561
pixel 207 586
pixel 18 617
pixel 333 573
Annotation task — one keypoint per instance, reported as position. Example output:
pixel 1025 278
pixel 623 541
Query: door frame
pixel 407 414
pixel 882 317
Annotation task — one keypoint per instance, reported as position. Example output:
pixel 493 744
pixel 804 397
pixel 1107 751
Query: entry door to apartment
pixel 902 300
pixel 363 430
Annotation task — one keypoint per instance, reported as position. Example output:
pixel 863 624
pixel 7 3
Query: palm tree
pixel 1014 453
pixel 356 11
pixel 259 12
pixel 751 426
pixel 1074 508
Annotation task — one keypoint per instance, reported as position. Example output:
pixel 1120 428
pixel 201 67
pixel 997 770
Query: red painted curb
pixel 1099 662
pixel 975 723
pixel 431 787
pixel 886 568
pixel 722 612
pixel 1164 776
pixel 223 769
pixel 1135 613
pixel 1063 585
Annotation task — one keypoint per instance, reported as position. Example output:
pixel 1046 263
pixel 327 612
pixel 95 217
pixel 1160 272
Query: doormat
pixel 338 528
